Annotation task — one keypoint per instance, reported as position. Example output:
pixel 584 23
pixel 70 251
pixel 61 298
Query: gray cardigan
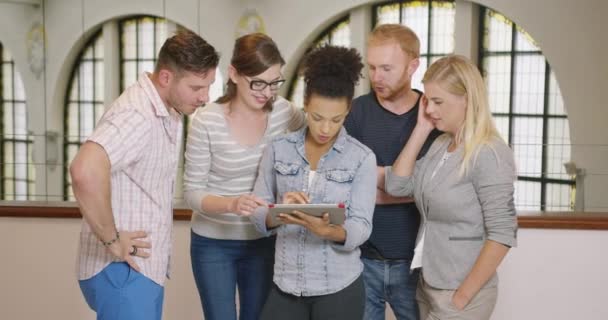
pixel 460 212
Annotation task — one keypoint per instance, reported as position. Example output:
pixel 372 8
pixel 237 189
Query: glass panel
pixel 527 195
pixel 502 125
pixel 145 39
pixel 9 160
pixel 73 124
pixel 8 119
pixel 129 73
pixel 529 91
pixel 20 121
pixel 524 42
pixel 498 32
pixel 558 148
pixel 99 80
pixel 297 96
pixel 87 120
pixel 442 26
pixel 129 35
pixel 340 36
pixel 18 85
pixel 387 14
pixel 416 16
pixel 86 81
pixel 145 66
pixel 162 27
pixel 217 88
pixel 559 197
pixel 497 71
pixel 556 102
pixel 527 145
pixel 417 77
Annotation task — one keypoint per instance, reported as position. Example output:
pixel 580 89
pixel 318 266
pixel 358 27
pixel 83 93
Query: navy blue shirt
pixel 394 226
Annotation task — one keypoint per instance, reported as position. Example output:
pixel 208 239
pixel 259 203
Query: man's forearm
pixel 382 197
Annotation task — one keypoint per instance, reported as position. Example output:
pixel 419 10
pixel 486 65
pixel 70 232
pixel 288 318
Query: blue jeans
pixel 390 281
pixel 220 266
pixel 120 293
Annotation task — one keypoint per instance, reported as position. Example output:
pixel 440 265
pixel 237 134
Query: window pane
pixel 559 197
pixel 527 145
pixel 129 36
pixel 498 79
pixel 129 73
pixel 527 195
pixel 145 39
pixel 502 125
pixel 145 66
pixel 498 31
pixel 341 35
pixel 86 81
pixel 20 121
pixel 217 88
pixel 529 91
pixel 442 19
pixel 556 102
pixel 297 96
pixel 558 148
pixel 8 119
pixel 416 16
pixel 524 42
pixel 387 14
pixel 419 74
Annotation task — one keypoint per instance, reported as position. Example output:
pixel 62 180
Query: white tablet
pixel 336 211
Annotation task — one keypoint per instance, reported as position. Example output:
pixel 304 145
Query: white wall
pixel 552 274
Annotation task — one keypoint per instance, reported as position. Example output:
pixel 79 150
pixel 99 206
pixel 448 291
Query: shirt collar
pixel 160 109
pixel 300 135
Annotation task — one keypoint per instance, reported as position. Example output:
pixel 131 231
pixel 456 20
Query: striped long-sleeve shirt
pixel 216 164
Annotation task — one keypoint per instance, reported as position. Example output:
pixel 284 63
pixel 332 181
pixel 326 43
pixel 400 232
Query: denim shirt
pixel 306 265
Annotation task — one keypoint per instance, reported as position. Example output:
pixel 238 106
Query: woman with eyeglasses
pixel 223 151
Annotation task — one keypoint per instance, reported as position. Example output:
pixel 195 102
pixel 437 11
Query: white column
pixel 360 27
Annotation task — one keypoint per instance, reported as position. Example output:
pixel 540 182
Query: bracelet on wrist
pixel 110 242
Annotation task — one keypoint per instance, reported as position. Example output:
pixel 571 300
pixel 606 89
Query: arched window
pixel 141 38
pixel 84 102
pixel 528 109
pixel 432 21
pixel 336 34
pixel 17 173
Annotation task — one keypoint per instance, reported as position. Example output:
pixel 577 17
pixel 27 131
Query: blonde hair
pixel 404 36
pixel 459 76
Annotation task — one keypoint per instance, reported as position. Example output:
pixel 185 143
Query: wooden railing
pixel 540 220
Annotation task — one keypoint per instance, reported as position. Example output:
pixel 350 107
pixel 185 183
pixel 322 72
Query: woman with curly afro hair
pixel 317 270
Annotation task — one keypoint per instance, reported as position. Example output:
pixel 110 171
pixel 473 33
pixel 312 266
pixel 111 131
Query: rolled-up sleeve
pixel 494 178
pixel 123 136
pixel 264 188
pixel 398 186
pixel 358 224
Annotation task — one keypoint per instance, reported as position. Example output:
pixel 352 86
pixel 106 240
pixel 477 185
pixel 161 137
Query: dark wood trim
pixel 65 212
pixel 528 220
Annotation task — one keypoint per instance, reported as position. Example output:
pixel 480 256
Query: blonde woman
pixel 463 189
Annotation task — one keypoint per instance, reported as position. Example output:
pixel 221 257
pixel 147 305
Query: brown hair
pixel 253 54
pixel 187 51
pixel 402 35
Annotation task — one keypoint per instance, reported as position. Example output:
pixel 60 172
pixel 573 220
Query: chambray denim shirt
pixel 306 265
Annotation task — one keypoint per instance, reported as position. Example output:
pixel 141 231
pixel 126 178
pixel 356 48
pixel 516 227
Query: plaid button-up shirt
pixel 141 137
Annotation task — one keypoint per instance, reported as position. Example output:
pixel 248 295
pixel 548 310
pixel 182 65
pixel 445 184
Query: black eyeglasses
pixel 260 85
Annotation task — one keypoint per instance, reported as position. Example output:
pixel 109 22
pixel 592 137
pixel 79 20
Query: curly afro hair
pixel 332 72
